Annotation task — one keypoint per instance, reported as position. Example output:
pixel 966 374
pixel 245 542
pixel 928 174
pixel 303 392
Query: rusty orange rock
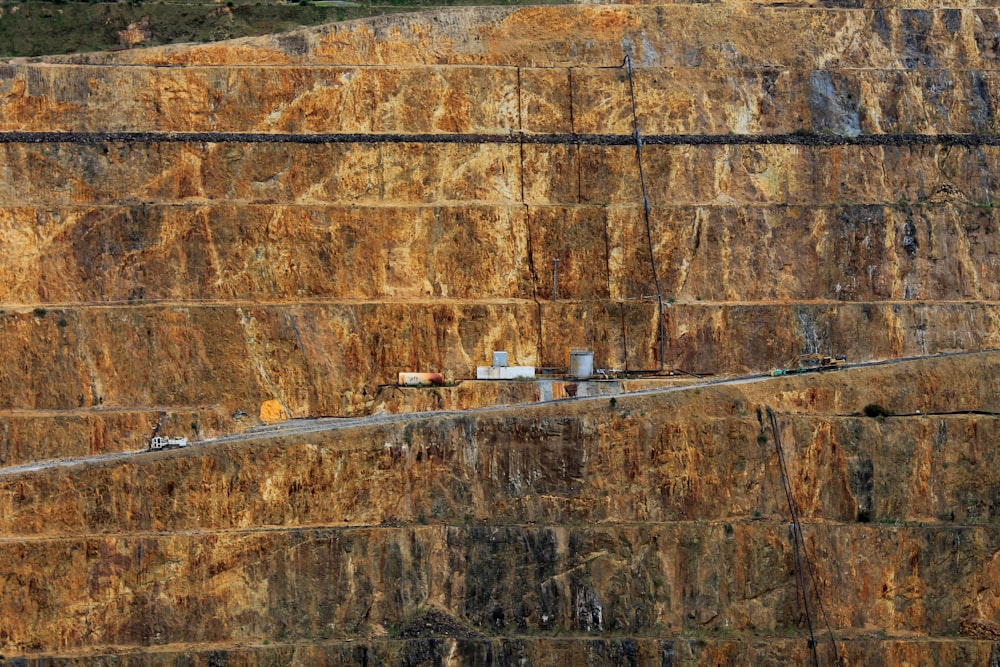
pixel 819 181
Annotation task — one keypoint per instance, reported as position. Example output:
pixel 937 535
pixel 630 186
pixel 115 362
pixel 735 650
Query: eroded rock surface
pixel 658 516
pixel 189 231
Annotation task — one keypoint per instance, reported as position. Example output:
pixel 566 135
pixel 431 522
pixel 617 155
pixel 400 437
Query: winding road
pixel 321 424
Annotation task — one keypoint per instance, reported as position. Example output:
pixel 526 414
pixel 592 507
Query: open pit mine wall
pixel 819 181
pixel 631 533
pixel 301 216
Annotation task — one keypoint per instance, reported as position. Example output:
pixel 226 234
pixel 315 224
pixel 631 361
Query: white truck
pixel 161 442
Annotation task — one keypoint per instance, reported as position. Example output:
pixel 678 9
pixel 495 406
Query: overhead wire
pixel 796 533
pixel 799 547
pixel 645 206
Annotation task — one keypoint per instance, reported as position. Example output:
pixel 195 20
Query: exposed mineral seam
pixel 804 139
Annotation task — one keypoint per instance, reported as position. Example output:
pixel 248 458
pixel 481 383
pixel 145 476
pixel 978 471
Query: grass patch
pixel 55 28
pixel 48 28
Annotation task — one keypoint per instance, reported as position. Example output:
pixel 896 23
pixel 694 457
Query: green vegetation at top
pixel 52 28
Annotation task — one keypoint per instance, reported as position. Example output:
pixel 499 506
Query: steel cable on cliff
pixel 98 137
pixel 645 206
pixel 800 538
pixel 796 533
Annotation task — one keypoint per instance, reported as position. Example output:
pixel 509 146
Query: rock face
pixel 191 231
pixel 586 529
pixel 466 153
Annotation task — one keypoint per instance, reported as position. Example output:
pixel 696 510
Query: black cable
pixel 808 565
pixel 822 610
pixel 645 206
pixel 796 532
pixel 510 137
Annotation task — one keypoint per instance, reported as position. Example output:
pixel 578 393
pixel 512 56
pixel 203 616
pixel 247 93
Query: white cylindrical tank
pixel 581 363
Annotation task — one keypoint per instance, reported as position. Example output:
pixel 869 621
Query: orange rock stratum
pixel 190 232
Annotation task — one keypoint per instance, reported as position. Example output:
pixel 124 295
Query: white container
pixel 581 363
pixel 505 372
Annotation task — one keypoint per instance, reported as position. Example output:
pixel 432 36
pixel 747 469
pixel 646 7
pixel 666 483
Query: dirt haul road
pixel 321 424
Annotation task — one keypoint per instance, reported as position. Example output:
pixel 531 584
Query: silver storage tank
pixel 581 363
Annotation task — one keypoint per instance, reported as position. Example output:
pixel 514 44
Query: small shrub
pixel 40 312
pixel 876 411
